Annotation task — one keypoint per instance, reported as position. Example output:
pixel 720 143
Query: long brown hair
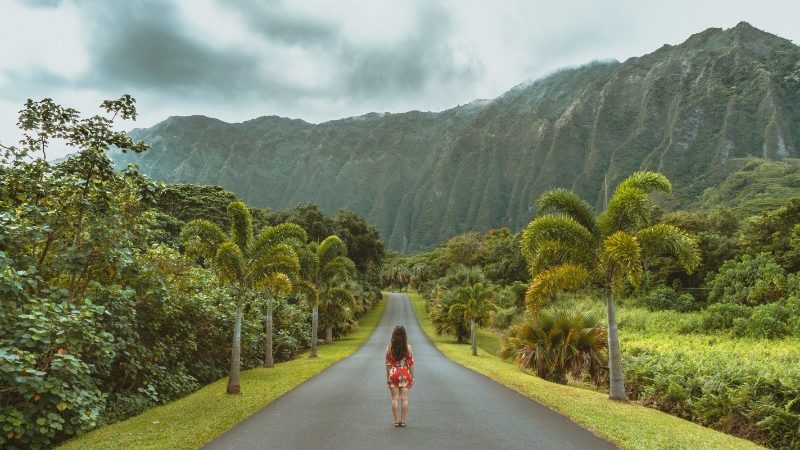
pixel 399 343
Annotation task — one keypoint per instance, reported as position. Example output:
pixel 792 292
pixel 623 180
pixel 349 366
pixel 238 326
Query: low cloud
pixel 320 60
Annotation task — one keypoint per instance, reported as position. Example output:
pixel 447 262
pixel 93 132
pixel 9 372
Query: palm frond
pixel 462 275
pixel 338 297
pixel 279 259
pixel 553 253
pixel 559 343
pixel 555 227
pixel 202 238
pixel 309 262
pixel 551 281
pixel 241 226
pixel 307 290
pixel 665 239
pixel 230 263
pixel 567 202
pixel 277 282
pixel 627 210
pixel 330 248
pixel 339 267
pixel 623 256
pixel 647 181
pixel 283 233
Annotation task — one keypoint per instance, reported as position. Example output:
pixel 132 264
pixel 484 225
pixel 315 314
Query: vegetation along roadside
pixel 200 417
pixel 628 425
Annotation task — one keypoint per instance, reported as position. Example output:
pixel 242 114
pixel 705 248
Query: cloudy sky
pixel 321 60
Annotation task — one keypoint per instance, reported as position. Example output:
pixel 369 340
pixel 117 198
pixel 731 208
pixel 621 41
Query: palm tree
pixel 473 305
pixel 243 262
pixel 324 267
pixel 279 283
pixel 462 276
pixel 274 238
pixel 455 278
pixel 337 305
pixel 554 344
pixel 568 246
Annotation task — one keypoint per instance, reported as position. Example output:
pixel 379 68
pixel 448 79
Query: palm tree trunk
pixel 268 360
pixel 233 377
pixel 474 341
pixel 314 327
pixel 616 376
pixel 329 334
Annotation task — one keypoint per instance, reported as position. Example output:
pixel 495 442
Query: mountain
pixel 688 110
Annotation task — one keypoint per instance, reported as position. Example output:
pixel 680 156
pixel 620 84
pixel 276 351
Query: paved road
pixel 348 406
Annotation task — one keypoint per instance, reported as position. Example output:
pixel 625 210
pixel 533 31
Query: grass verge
pixel 200 417
pixel 628 425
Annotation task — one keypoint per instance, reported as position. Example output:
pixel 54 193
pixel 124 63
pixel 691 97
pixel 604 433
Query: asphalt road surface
pixel 347 406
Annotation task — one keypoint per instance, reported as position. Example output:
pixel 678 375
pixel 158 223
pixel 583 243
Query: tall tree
pixel 568 246
pixel 242 262
pixel 474 305
pixel 324 267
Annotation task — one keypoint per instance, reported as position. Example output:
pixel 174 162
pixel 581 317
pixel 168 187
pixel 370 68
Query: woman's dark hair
pixel 399 343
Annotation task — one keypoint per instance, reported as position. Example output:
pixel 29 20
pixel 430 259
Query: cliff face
pixel 421 177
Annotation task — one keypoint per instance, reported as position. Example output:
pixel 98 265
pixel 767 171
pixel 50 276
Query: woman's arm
pixel 388 364
pixel 413 363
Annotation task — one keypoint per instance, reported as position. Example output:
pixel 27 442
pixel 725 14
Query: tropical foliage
pixel 558 343
pixel 463 301
pixel 692 343
pixel 103 312
pixel 247 264
pixel 568 245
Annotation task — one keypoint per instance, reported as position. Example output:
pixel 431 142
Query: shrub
pixel 751 281
pixel 766 321
pixel 723 316
pixel 734 395
pixel 666 298
pixel 559 343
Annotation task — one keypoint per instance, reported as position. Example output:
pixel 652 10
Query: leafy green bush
pixel 723 316
pixel 750 281
pixel 770 321
pixel 734 395
pixel 766 321
pixel 664 298
pixel 101 316
pixel 48 392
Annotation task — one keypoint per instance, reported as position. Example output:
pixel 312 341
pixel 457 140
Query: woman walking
pixel 399 374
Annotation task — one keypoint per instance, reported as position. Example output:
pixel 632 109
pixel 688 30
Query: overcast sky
pixel 321 60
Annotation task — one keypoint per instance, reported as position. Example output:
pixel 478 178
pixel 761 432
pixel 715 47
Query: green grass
pixel 628 425
pixel 200 417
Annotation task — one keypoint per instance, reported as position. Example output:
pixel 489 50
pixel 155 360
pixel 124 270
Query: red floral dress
pixel 399 371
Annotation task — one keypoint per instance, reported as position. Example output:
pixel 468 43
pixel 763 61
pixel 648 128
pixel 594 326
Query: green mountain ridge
pixel 689 111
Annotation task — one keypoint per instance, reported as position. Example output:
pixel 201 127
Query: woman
pixel 399 374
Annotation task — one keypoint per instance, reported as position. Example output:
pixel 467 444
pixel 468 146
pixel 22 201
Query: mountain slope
pixel 420 177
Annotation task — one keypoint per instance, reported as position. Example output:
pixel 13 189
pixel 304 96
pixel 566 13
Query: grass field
pixel 200 417
pixel 628 425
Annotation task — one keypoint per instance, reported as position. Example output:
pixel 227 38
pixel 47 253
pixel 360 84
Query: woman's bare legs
pixel 396 404
pixel 404 404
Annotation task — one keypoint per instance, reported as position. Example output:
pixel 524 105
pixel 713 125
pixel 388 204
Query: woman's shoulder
pixel 410 348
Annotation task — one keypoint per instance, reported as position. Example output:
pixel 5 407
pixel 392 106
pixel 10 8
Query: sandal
pixel 402 424
pixel 397 424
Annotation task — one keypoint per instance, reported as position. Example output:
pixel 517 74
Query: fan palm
pixel 243 262
pixel 555 344
pixel 324 267
pixel 457 277
pixel 568 245
pixel 474 306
